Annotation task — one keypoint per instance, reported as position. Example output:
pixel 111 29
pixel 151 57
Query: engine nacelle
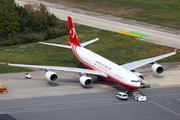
pixel 51 76
pixel 139 75
pixel 157 68
pixel 85 81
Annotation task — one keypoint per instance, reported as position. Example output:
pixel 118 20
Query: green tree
pixel 21 25
pixel 23 14
pixel 1 20
pixel 9 18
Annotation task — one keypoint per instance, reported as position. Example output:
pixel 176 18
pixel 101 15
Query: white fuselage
pixel 113 71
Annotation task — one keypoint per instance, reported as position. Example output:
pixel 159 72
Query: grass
pixel 158 12
pixel 116 47
pixel 10 69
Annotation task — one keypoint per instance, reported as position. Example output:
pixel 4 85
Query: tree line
pixel 22 25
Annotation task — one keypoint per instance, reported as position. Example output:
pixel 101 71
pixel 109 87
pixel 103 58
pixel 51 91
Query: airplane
pixel 125 75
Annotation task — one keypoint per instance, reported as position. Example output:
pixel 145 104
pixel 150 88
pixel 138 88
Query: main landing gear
pixel 100 80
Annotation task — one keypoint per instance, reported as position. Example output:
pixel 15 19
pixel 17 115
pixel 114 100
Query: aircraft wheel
pixel 100 80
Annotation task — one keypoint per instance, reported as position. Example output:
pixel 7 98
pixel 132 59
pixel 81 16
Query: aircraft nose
pixel 137 84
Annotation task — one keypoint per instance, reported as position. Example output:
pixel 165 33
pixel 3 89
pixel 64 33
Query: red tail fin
pixel 72 32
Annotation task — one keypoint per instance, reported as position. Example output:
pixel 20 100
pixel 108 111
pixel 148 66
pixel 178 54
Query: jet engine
pixel 51 76
pixel 139 75
pixel 157 68
pixel 85 81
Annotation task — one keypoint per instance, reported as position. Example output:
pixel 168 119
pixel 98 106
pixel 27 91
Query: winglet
pixel 6 62
pixel 175 50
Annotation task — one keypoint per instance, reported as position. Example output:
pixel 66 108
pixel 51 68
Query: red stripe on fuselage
pixel 89 66
pixel 82 61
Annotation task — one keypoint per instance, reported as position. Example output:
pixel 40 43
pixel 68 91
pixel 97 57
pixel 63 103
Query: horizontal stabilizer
pixel 89 42
pixel 58 45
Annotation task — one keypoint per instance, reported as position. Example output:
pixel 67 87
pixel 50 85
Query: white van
pixel 122 96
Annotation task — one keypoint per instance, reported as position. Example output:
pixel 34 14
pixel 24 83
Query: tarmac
pixel 161 104
pixel 37 98
pixel 68 83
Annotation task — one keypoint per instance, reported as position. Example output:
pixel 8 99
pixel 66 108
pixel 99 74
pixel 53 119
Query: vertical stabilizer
pixel 72 32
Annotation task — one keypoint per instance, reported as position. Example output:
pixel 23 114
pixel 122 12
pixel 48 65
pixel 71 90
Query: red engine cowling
pixel 51 76
pixel 157 68
pixel 85 81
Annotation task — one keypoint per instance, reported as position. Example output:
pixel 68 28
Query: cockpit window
pixel 134 80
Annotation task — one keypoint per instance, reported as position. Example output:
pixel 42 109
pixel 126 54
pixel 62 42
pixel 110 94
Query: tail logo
pixel 72 32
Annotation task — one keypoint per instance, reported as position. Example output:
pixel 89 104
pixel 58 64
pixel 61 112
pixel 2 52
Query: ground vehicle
pixel 28 76
pixel 34 8
pixel 139 96
pixel 3 88
pixel 122 96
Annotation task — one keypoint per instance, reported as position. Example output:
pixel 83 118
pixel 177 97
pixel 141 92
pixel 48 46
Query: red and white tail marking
pixel 72 33
pixel 175 50
pixel 6 62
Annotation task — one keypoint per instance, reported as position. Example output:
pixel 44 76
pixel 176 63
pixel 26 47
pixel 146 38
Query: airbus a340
pixel 99 66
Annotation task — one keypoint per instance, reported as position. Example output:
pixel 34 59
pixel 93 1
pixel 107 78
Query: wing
pixel 70 69
pixel 136 64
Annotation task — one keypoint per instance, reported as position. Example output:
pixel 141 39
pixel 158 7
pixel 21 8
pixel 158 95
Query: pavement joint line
pixel 101 89
pixel 72 107
pixel 171 97
pixel 172 75
pixel 165 108
pixel 173 83
pixel 36 94
pixel 105 102
pixel 176 68
pixel 28 86
pixel 109 88
pixel 168 102
pixel 31 108
pixel 164 95
pixel 15 80
pixel 39 85
pixel 105 86
pixel 94 100
pixel 163 75
pixel 71 91
pixel 28 79
pixel 3 96
pixel 67 105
